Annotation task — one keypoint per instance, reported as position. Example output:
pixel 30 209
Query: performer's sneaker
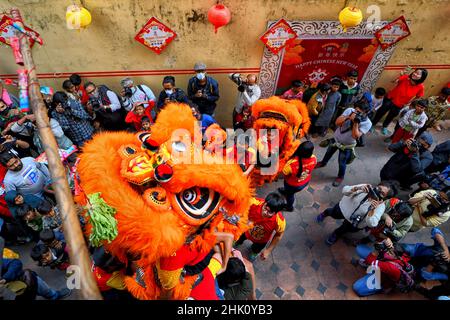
pixel 252 256
pixel 337 182
pixel 320 164
pixel 64 293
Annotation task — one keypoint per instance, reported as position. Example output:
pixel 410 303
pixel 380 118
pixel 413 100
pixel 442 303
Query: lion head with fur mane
pixel 291 119
pixel 163 201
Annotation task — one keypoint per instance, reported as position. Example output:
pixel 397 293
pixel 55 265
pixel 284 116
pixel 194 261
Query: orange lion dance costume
pixel 291 119
pixel 163 203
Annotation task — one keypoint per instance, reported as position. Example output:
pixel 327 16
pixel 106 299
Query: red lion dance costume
pixel 291 119
pixel 163 205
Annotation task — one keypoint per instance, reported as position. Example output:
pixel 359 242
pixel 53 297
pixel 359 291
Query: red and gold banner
pixel 155 35
pixel 316 60
pixel 278 36
pixel 393 32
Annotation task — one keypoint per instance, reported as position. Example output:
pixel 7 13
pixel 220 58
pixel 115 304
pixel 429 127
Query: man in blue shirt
pixel 205 119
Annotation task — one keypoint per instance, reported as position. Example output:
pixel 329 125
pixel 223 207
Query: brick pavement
pixel 303 266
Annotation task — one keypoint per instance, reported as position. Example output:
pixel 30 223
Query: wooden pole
pixel 72 231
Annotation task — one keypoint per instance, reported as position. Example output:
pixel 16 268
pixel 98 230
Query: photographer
pixel 396 221
pixel 409 162
pixel 433 260
pixel 106 105
pixel 351 125
pixel 249 93
pixel 133 94
pixel 431 209
pixel 393 265
pixel 361 206
pixel 72 118
pixel 170 93
pixel 441 157
pixel 203 90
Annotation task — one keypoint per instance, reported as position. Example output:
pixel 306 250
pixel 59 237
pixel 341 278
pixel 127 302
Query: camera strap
pixel 352 216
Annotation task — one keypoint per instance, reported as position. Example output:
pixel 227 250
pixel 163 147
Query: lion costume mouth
pixel 162 205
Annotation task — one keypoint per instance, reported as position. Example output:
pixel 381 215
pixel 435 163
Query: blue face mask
pixel 201 76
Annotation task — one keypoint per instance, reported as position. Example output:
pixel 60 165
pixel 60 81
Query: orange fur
pixel 152 231
pixel 290 131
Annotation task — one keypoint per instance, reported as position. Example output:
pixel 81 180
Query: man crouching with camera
pixel 361 206
pixel 249 93
pixel 409 161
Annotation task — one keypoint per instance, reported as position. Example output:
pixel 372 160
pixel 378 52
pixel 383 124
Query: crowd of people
pixel 340 113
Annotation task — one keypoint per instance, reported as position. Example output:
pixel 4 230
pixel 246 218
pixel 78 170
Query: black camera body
pixel 356 220
pixel 380 246
pixel 414 145
pixel 128 92
pixel 242 84
pixel 96 106
pixel 359 117
pixel 375 193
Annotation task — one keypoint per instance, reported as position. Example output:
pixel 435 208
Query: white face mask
pixel 201 75
pixel 169 92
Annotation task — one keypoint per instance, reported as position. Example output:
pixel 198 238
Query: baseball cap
pixel 199 66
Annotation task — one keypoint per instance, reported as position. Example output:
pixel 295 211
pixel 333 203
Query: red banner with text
pixel 317 60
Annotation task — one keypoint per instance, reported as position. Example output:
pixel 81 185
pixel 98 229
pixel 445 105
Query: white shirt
pixel 376 103
pixel 248 97
pixel 351 200
pixel 115 103
pixel 146 94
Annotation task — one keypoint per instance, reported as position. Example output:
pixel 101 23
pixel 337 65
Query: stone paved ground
pixel 303 266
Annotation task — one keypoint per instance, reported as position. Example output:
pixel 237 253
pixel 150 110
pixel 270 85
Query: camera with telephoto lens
pixel 236 78
pixel 388 231
pixel 128 92
pixel 414 145
pixel 374 193
pixel 380 246
pixel 95 104
pixel 359 117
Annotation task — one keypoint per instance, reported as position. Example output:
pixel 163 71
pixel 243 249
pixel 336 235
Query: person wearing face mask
pixel 249 93
pixel 408 87
pixel 203 90
pixel 170 93
pixel 409 162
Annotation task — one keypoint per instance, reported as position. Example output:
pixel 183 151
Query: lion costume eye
pixel 198 203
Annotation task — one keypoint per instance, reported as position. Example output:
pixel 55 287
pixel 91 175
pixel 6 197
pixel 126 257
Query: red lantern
pixel 219 16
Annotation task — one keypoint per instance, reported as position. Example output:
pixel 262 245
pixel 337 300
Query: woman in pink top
pixel 296 92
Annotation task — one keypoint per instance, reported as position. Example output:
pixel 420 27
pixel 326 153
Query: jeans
pixel 361 286
pixel 363 250
pixel 388 107
pixel 344 156
pixel 45 291
pixel 290 191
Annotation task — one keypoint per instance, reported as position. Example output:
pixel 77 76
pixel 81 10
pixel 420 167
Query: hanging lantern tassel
pixel 219 16
pixel 350 17
pixel 77 17
pixel 23 86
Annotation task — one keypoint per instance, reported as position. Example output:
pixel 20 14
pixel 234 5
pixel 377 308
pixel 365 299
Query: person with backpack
pixel 203 90
pixel 132 95
pixel 107 107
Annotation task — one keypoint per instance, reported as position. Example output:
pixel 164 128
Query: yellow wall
pixel 108 44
